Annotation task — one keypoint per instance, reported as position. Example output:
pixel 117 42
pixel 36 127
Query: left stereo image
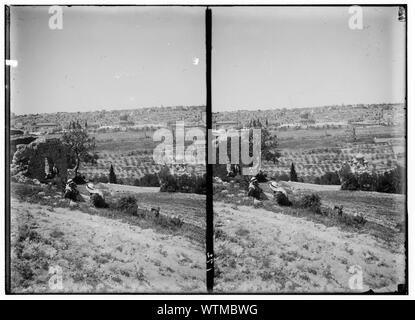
pixel 106 148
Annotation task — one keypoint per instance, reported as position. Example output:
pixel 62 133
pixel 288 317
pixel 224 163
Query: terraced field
pixel 131 165
pixel 316 161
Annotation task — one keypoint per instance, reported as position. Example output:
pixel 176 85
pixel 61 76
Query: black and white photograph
pixel 324 211
pixel 200 151
pixel 95 91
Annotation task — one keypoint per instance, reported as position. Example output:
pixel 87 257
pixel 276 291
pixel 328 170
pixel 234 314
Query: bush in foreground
pixel 312 202
pixel 98 201
pixel 282 199
pixel 127 204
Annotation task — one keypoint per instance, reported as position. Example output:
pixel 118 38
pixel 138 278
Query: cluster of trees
pixel 269 146
pixel 330 178
pixel 148 180
pixel 288 177
pixel 163 179
pixel 76 125
pixel 256 123
pixel 392 181
pixel 181 183
pixel 82 148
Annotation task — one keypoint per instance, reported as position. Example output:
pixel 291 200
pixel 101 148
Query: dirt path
pixel 259 250
pixel 98 254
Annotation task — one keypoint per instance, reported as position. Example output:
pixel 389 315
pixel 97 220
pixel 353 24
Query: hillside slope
pixel 288 249
pixel 98 253
pixel 260 250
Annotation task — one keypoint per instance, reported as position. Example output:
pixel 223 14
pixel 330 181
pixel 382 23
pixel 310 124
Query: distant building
pixel 225 125
pixel 307 121
pixel 45 127
pixel 328 124
pixel 289 126
pixel 367 123
pixel 126 123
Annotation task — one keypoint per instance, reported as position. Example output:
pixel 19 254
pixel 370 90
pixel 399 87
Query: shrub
pixel 98 201
pixel 311 201
pixel 182 183
pixel 352 220
pixel 200 185
pixel 168 182
pixel 329 178
pixel 350 182
pixel 281 177
pixel 366 181
pixel 219 170
pixel 127 204
pixel 389 182
pixel 243 182
pixel 282 199
pixel 102 179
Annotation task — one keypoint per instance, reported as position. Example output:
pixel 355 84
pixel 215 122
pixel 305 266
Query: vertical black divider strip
pixel 406 149
pixel 7 146
pixel 209 180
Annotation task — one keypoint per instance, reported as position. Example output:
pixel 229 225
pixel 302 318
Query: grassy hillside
pixel 270 248
pixel 106 250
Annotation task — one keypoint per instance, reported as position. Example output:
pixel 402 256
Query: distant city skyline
pixel 294 57
pixel 108 58
pixel 112 110
pixel 213 111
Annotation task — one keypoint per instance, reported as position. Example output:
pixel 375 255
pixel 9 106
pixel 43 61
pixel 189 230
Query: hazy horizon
pixel 200 106
pixel 106 57
pixel 111 110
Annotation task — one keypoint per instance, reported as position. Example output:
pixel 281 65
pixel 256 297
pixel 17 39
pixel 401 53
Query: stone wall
pixel 32 159
pixel 15 141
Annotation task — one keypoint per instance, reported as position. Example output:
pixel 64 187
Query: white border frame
pixel 207 297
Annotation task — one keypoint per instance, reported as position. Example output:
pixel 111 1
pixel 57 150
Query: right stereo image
pixel 309 133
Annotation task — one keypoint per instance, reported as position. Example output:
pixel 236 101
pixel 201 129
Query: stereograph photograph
pixel 325 211
pixel 124 120
pixel 91 210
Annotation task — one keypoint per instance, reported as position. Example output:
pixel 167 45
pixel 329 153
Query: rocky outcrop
pixel 19 139
pixel 37 158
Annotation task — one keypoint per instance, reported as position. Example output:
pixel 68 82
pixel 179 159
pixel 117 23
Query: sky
pixel 107 58
pixel 286 57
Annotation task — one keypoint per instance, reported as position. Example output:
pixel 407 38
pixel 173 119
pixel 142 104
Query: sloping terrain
pixel 100 251
pixel 191 208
